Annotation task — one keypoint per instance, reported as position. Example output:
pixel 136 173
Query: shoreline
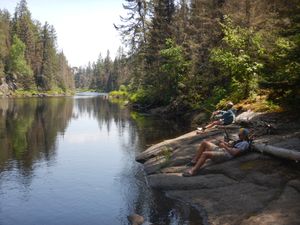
pixel 35 95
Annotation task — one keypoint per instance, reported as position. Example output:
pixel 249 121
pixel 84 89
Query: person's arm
pixel 219 114
pixel 233 151
pixel 215 112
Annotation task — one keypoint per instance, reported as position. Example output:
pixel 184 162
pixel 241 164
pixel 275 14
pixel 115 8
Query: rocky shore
pixel 9 90
pixel 255 188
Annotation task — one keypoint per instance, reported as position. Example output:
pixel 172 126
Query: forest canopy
pixel 190 52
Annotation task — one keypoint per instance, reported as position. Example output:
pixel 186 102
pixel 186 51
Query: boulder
pixel 4 88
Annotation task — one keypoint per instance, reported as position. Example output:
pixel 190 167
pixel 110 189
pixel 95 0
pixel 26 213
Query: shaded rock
pixel 173 169
pixel 291 143
pixel 200 118
pixel 158 110
pixel 240 167
pixel 42 95
pixel 229 204
pixel 252 168
pixel 295 184
pixel 177 182
pixel 282 211
pixel 155 164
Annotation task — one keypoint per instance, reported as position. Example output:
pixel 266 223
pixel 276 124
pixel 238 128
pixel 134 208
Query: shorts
pixel 225 122
pixel 220 154
pixel 222 122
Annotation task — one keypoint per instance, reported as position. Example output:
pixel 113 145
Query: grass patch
pixel 118 94
pixel 166 152
pixel 24 93
pixel 248 165
pixel 56 91
pixel 53 92
pixel 259 104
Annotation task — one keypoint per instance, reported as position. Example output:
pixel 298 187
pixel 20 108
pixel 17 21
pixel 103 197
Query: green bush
pixel 141 96
pixel 174 68
pixel 238 59
pixel 118 94
pixel 18 66
pixel 123 88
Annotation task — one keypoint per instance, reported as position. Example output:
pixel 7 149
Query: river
pixel 70 160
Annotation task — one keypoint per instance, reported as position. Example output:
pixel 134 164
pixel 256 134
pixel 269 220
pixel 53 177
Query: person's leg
pixel 214 123
pixel 204 146
pixel 200 162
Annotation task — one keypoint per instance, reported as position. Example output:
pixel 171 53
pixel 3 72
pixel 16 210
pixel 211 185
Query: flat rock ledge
pixel 251 189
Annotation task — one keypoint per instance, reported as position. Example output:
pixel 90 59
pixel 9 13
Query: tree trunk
pixel 247 12
pixel 277 151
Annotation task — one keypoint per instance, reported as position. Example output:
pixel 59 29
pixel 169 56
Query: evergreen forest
pixel 29 59
pixel 188 53
pixel 181 54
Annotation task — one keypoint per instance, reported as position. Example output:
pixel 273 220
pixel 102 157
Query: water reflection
pixel 29 129
pixel 71 161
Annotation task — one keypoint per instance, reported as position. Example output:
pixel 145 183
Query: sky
pixel 84 27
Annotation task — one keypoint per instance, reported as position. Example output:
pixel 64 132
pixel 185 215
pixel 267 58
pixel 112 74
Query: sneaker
pixel 200 128
pixel 188 174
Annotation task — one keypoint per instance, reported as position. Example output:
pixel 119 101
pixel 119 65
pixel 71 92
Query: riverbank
pixel 254 188
pixel 9 90
pixel 40 94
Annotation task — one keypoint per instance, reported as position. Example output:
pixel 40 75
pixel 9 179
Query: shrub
pixel 238 59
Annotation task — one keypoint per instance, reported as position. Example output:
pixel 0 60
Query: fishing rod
pixel 226 135
pixel 210 111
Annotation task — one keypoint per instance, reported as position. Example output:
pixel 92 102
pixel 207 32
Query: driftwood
pixel 277 151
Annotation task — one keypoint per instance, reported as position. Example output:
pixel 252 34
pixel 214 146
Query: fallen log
pixel 277 151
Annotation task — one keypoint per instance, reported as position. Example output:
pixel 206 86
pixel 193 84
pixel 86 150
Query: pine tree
pixel 160 31
pixel 36 64
pixel 18 67
pixel 65 79
pixel 107 67
pixel 46 80
pixel 4 41
pixel 23 27
pixel 99 73
pixel 282 57
pixel 133 27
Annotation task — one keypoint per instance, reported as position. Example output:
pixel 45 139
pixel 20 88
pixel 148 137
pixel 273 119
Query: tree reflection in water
pixel 30 130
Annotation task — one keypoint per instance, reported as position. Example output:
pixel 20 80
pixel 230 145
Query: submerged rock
pixel 135 219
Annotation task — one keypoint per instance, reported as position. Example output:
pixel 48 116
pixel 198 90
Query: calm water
pixel 69 161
